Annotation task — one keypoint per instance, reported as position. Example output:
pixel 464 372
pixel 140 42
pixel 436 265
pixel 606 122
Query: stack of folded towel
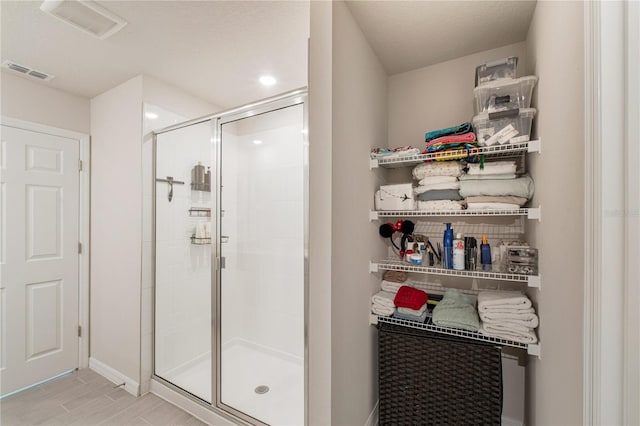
pixel 507 315
pixel 495 185
pixel 438 185
pixel 411 303
pixel 382 303
pixel 456 310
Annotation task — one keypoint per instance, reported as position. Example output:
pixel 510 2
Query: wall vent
pixel 27 71
pixel 85 15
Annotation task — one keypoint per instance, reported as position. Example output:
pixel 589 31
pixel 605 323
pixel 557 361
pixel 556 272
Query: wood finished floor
pixel 85 398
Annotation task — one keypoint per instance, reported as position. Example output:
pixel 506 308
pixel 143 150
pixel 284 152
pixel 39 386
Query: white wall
pixel 359 124
pixel 555 52
pixel 116 227
pixel 32 101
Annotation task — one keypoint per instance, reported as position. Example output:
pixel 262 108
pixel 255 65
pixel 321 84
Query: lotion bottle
pixel 458 253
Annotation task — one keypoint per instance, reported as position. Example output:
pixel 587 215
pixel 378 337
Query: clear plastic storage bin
pixel 504 94
pixel 495 70
pixel 487 131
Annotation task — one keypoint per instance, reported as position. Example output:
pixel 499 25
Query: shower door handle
pixel 221 263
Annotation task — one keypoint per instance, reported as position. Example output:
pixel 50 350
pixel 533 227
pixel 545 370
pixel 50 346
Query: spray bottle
pixel 447 256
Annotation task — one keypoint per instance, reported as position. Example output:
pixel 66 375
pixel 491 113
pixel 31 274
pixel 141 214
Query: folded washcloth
pixel 395 276
pixel 384 298
pixel 508 333
pixel 384 311
pixel 519 187
pixel 439 194
pixel 409 297
pixel 521 201
pixel 465 137
pixel 390 286
pixel 525 319
pixel 419 318
pixel 444 168
pixel 489 300
pixel 498 176
pixel 455 130
pixel 436 186
pixel 456 310
pixel 416 312
pixel 439 205
pixel 491 168
pixel 430 180
pixel 492 206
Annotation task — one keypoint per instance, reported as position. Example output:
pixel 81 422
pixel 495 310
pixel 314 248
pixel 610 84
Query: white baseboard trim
pixel 115 376
pixel 373 417
pixel 508 421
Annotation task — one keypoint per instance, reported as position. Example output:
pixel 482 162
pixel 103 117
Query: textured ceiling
pixel 213 49
pixel 407 35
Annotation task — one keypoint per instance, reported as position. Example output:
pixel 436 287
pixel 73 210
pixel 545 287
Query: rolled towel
pixel 384 311
pixel 419 318
pixel 384 298
pixel 395 276
pixel 456 310
pixel 409 297
pixel 508 333
pixel 525 319
pixel 430 180
pixel 488 300
pixel 416 312
pixel 390 286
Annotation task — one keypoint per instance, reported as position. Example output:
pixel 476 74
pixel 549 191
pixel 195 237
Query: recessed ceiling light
pixel 257 142
pixel 267 80
pixel 151 115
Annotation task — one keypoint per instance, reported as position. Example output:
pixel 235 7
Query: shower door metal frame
pixel 298 97
pixel 288 99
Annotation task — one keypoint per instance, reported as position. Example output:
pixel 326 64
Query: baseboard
pixel 373 417
pixel 115 376
pixel 508 421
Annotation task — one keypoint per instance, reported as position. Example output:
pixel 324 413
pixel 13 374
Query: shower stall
pixel 231 213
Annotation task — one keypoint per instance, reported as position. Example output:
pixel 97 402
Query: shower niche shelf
pixel 201 187
pixel 198 241
pixel 200 212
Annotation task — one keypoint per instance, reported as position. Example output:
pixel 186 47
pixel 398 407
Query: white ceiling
pixel 217 49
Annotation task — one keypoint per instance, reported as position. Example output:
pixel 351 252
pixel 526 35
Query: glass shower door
pixel 183 218
pixel 262 274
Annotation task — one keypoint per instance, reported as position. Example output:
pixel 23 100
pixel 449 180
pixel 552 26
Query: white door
pixel 39 255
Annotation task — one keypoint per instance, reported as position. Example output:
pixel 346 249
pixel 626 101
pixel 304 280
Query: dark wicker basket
pixel 426 378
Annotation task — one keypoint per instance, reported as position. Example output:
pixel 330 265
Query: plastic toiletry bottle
pixel 485 254
pixel 458 253
pixel 447 256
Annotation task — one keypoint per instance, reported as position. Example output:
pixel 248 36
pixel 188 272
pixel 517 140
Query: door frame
pixel 84 199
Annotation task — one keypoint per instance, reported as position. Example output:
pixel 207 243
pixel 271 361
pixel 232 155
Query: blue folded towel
pixel 422 318
pixel 455 130
pixel 456 310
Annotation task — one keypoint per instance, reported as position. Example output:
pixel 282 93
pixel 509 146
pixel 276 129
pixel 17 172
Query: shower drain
pixel 262 389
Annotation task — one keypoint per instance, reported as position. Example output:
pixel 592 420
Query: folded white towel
pixel 525 319
pixel 384 298
pixel 436 186
pixel 439 205
pixel 508 333
pixel 430 180
pixel 488 300
pixel 508 310
pixel 390 286
pixel 492 206
pixel 442 168
pixel 491 176
pixel 416 312
pixel 492 168
pixel 384 311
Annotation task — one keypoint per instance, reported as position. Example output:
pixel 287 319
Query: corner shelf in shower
pixel 201 187
pixel 200 241
pixel 200 212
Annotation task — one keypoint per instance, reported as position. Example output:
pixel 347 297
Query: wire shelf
pixel 496 151
pixel 530 213
pixel 399 265
pixel 473 335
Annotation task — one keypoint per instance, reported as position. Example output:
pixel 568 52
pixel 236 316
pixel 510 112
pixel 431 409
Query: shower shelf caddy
pixel 507 151
pixel 200 212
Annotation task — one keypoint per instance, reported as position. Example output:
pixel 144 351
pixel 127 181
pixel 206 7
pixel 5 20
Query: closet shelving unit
pixel 507 151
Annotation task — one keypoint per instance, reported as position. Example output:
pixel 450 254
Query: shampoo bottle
pixel 447 256
pixel 458 253
pixel 485 254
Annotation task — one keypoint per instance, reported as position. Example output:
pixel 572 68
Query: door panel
pixel 38 243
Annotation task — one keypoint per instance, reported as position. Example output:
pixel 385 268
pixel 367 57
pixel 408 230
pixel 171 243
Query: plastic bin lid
pixel 524 112
pixel 505 82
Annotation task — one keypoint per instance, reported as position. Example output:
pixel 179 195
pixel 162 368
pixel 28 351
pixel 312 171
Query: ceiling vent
pixel 27 71
pixel 85 15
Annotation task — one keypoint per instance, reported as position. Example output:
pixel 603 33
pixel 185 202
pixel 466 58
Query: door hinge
pixel 79 165
pixel 79 331
pixel 79 247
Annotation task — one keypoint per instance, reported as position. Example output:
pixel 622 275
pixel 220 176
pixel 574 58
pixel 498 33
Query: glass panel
pixel 262 282
pixel 183 259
